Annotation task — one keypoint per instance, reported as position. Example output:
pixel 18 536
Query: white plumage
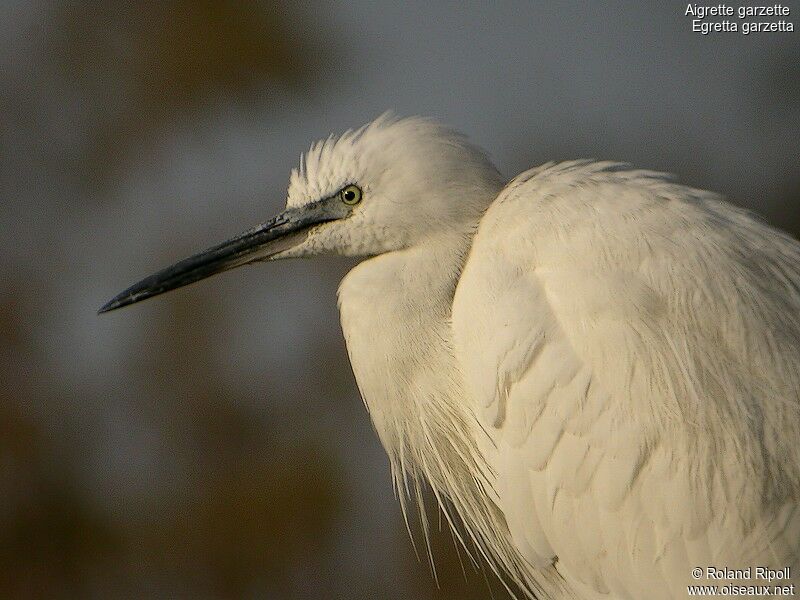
pixel 596 370
pixel 633 349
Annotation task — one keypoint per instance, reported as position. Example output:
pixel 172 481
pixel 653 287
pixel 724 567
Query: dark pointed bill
pixel 276 235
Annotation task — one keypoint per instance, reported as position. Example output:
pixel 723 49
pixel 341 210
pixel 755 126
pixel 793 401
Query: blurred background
pixel 211 443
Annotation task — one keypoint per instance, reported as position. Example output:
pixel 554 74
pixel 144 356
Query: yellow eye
pixel 351 195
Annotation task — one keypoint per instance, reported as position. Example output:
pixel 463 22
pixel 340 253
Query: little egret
pixel 595 369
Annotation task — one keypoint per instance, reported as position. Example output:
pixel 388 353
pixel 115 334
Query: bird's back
pixel 632 346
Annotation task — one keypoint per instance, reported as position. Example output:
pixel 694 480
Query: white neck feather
pixel 395 313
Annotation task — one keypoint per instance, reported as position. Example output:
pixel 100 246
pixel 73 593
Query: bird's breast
pixel 397 336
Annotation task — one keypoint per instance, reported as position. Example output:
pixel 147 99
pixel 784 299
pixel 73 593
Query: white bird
pixel 597 370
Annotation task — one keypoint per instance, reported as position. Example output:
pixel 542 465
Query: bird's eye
pixel 351 195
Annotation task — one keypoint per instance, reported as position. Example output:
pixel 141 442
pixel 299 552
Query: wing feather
pixel 632 346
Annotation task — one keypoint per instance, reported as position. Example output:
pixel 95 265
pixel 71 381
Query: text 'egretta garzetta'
pixel 596 370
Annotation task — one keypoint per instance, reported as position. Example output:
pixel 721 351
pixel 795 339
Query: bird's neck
pixel 395 312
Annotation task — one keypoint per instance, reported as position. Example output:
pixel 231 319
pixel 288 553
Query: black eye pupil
pixel 349 195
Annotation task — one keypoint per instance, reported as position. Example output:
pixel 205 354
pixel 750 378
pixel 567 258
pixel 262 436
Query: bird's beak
pixel 264 241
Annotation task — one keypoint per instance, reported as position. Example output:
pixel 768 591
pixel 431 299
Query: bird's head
pixel 389 185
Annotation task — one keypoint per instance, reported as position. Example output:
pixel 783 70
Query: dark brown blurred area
pixel 142 66
pixel 212 443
